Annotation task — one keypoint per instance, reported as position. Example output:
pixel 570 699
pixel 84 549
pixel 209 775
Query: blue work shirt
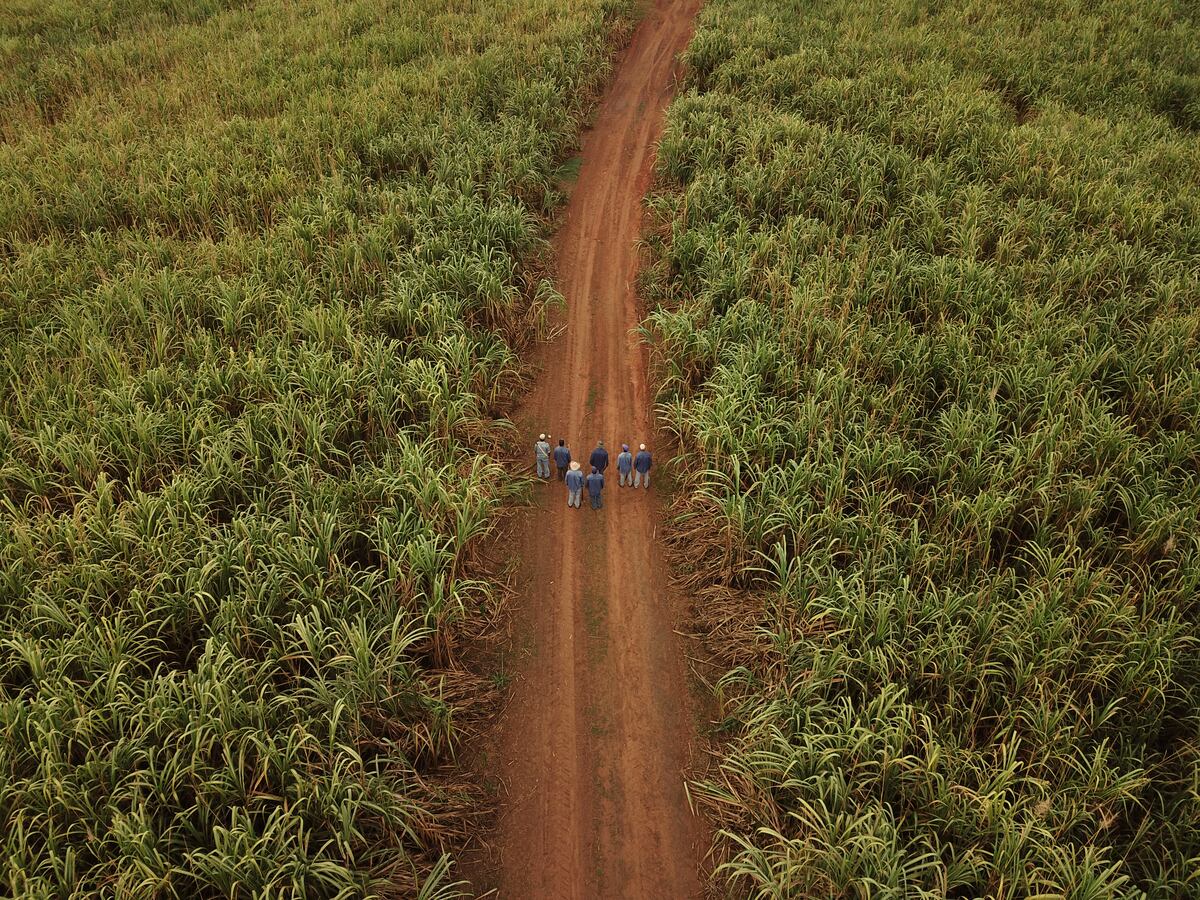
pixel 595 484
pixel 599 459
pixel 625 462
pixel 562 457
pixel 574 480
pixel 642 463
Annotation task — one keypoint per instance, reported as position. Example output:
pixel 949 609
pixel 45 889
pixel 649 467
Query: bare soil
pixel 594 746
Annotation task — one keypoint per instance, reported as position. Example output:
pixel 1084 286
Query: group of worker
pixel 634 470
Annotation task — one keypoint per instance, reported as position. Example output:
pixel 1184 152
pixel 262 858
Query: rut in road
pixel 598 734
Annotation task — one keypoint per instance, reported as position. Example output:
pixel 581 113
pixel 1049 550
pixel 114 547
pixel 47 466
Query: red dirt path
pixel 597 737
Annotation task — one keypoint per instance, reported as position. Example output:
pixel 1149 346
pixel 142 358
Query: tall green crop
pixel 264 267
pixel 927 325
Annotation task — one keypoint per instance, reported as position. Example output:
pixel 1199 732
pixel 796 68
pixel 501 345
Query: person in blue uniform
pixel 562 458
pixel 599 460
pixel 574 479
pixel 595 484
pixel 641 467
pixel 541 452
pixel 625 466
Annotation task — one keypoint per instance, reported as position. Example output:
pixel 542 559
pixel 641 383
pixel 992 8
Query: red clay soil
pixel 596 740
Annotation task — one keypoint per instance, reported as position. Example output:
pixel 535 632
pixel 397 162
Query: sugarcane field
pixel 610 449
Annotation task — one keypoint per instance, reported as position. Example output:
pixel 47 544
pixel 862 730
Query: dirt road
pixel 598 734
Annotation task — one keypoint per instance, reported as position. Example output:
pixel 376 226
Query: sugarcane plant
pixel 925 291
pixel 265 270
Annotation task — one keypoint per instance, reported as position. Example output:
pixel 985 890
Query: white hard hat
pixel 541 437
pixel 574 467
pixel 641 446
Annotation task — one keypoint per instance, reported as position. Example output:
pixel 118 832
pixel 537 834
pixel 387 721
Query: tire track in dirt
pixel 597 737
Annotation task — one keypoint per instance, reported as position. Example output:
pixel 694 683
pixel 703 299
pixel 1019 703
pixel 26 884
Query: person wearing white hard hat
pixel 641 467
pixel 541 451
pixel 574 481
